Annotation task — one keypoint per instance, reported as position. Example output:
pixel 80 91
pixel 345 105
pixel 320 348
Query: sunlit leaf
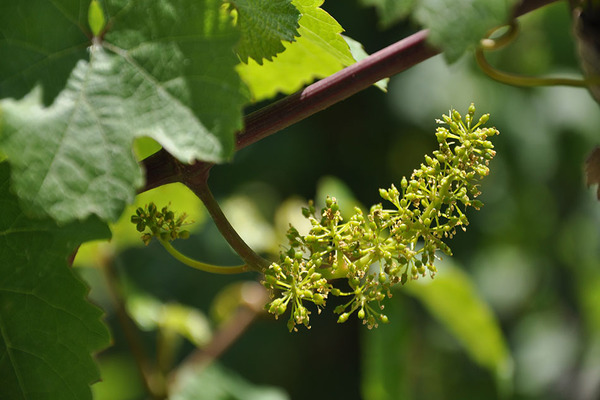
pixel 318 52
pixel 163 70
pixel 264 24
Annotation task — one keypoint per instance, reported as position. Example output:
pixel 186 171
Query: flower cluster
pixel 162 224
pixel 388 245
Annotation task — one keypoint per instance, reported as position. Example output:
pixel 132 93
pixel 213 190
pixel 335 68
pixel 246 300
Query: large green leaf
pixel 263 25
pixel 453 300
pixel 40 43
pixel 393 354
pixel 319 52
pixel 455 26
pixel 458 25
pixel 163 69
pixel 47 328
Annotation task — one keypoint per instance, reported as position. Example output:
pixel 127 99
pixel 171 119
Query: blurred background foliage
pixel 516 311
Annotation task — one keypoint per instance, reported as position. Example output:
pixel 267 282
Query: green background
pixel 532 252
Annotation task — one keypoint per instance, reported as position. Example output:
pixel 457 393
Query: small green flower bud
pixel 383 318
pixel 271 280
pixel 472 109
pixel 484 118
pixel 403 183
pixel 404 278
pixel 384 194
pixel 141 226
pixel 318 299
pixel 456 116
pixel 305 212
pixel 477 204
pixel 361 313
pixel 146 238
pixel 343 318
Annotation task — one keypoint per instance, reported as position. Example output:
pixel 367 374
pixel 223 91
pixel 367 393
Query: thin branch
pixel 254 299
pixel 162 168
pixel 130 330
pixel 253 261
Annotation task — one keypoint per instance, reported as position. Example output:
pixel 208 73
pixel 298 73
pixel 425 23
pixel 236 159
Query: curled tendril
pixel 390 245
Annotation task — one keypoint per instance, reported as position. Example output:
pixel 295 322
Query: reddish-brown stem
pixel 335 88
pixel 200 187
pixel 162 168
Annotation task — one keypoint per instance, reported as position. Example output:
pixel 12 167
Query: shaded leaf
pixel 458 25
pixel 264 24
pixel 40 43
pixel 319 52
pixel 47 328
pixel 453 300
pixel 165 70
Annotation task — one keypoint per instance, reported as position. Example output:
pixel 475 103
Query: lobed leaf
pixel 319 52
pixel 163 70
pixel 264 24
pixel 47 328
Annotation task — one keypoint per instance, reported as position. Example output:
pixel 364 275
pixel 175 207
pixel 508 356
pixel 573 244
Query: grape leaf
pixel 390 11
pixel 164 70
pixel 319 52
pixel 264 24
pixel 40 43
pixel 47 328
pixel 458 25
pixel 359 53
pixel 453 300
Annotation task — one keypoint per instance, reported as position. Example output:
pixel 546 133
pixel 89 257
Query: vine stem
pixel 253 261
pixel 162 168
pixel 154 386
